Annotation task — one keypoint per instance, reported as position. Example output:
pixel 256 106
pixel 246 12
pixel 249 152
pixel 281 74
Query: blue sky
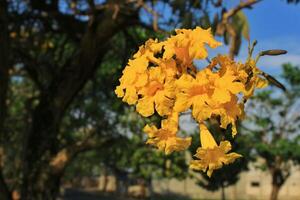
pixel 275 25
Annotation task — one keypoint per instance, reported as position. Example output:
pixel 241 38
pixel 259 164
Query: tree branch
pixel 225 23
pixel 67 154
pixel 152 12
pixel 230 13
pixel 53 102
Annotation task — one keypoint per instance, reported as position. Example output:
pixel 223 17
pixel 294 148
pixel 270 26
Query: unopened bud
pixel 273 81
pixel 254 42
pixel 274 52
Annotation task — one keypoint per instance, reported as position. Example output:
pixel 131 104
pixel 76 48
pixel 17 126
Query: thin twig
pixel 233 11
pixel 152 12
pixel 225 22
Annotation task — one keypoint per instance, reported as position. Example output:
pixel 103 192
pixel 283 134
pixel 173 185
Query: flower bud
pixel 273 52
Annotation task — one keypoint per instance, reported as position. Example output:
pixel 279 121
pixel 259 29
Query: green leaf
pixel 205 21
pixel 187 20
pixel 240 22
pixel 215 23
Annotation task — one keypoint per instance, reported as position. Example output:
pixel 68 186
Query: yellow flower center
pixel 153 87
pixel 213 155
pixel 165 134
pixel 197 90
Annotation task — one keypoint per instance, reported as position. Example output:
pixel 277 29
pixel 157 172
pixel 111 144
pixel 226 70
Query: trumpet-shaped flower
pixel 192 91
pixel 151 47
pixel 188 45
pixel 158 93
pixel 226 85
pixel 229 112
pixel 134 77
pixel 165 138
pixel 210 155
pixel 169 67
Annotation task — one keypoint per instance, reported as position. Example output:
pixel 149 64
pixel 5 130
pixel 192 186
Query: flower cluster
pixel 163 78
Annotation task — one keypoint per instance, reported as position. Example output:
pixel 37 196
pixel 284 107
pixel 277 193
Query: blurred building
pixel 253 185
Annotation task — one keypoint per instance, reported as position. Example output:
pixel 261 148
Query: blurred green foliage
pixel 273 128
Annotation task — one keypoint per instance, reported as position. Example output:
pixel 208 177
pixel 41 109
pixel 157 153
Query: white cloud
pixel 277 61
pixel 269 64
pixel 272 64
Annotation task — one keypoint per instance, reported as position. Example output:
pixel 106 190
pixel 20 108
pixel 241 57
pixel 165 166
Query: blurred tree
pixel 133 160
pixel 273 128
pixel 130 160
pixel 52 105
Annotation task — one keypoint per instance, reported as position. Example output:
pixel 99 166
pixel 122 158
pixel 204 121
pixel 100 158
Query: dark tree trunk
pixel 223 197
pixel 4 81
pixel 277 181
pixel 4 192
pixel 46 187
pixel 274 192
pixel 41 142
pixel 105 175
pixel 143 188
pixel 150 187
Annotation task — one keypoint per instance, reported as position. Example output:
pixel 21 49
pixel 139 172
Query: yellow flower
pixel 161 77
pixel 192 91
pixel 191 43
pixel 188 45
pixel 224 87
pixel 210 155
pixel 151 47
pixel 206 91
pixel 134 76
pixel 228 65
pixel 159 93
pixel 226 84
pixel 229 112
pixel 169 67
pixel 165 138
pixel 254 80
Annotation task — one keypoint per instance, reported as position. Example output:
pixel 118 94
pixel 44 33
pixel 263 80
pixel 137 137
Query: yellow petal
pixel 163 105
pixel 130 96
pixel 119 91
pixel 221 95
pixel 233 130
pixel 201 111
pixel 177 144
pixel 139 64
pixel 156 74
pixel 184 82
pixel 182 103
pixel 150 130
pixel 145 106
pixel 261 83
pixel 210 159
pixel 207 140
pixel 142 80
pixel 171 123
